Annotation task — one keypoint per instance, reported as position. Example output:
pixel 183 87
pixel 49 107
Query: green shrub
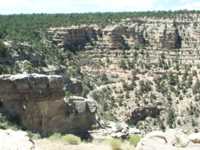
pixel 4 69
pixel 71 139
pixel 7 122
pixel 33 136
pixel 24 66
pixel 3 49
pixel 171 118
pixel 196 87
pixel 55 136
pixel 27 66
pixel 134 139
pixel 116 144
pixel 123 64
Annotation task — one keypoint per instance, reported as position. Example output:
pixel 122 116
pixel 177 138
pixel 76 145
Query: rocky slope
pixel 150 66
pixel 158 36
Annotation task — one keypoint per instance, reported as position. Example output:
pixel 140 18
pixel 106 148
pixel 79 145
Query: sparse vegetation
pixel 134 139
pixel 116 144
pixel 68 138
pixel 55 136
pixel 171 118
pixel 71 139
pixel 7 122
pixel 3 49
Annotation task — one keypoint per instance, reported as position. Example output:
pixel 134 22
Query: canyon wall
pixel 150 66
pixel 176 36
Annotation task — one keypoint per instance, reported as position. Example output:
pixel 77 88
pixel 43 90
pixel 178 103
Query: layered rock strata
pixel 37 102
pixel 175 38
pixel 169 33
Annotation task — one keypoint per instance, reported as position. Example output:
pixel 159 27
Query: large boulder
pixel 194 138
pixel 81 113
pixel 169 140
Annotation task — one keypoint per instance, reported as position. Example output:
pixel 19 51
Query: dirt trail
pixel 45 144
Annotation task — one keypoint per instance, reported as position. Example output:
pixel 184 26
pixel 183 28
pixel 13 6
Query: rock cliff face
pixel 175 38
pixel 80 114
pixel 170 33
pixel 37 102
pixel 74 37
pixel 151 65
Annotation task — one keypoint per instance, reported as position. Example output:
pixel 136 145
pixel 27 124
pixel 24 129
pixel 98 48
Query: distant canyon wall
pixel 155 33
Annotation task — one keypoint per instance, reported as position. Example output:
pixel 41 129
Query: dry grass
pixel 116 144
pixel 71 139
pixel 66 142
pixel 134 139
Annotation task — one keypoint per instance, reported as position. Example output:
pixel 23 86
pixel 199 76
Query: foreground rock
pixel 15 140
pixel 37 102
pixel 169 140
pixel 115 130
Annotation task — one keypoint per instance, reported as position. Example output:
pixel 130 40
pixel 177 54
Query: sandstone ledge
pixel 37 102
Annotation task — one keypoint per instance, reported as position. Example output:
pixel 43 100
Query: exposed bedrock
pixel 37 102
pixel 155 33
pixel 74 37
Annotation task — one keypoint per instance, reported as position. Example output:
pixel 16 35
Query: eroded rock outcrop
pixel 37 102
pixel 174 38
pixel 113 37
pixel 74 37
pixel 156 33
pixel 80 113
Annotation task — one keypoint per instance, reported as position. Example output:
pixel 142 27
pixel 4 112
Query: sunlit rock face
pixel 153 32
pixel 74 38
pixel 37 102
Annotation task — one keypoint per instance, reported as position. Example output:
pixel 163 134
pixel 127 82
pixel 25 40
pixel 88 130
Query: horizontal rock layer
pixel 155 33
pixel 37 102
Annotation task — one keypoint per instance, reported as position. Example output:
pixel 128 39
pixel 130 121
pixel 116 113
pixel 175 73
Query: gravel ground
pixel 45 144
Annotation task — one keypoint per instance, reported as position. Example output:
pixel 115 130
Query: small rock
pixel 194 138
